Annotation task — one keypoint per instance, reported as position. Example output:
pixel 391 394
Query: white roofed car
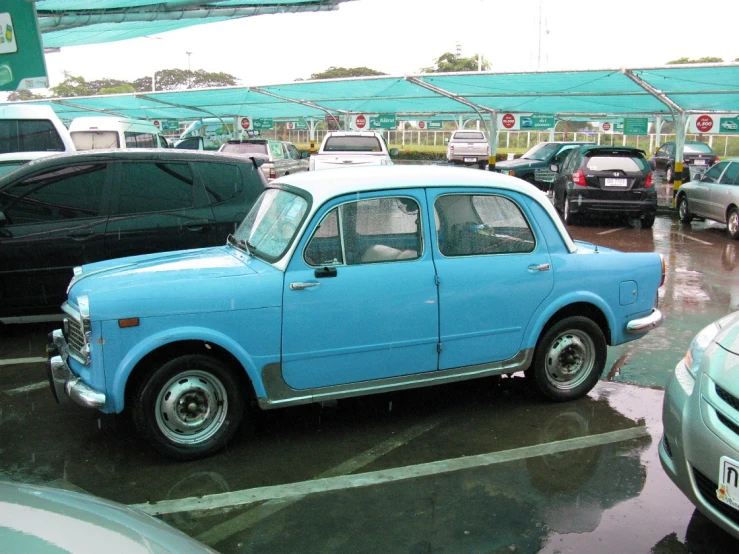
pixel 352 148
pixel 417 275
pixel 30 131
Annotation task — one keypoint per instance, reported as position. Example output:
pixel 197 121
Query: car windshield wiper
pixel 241 244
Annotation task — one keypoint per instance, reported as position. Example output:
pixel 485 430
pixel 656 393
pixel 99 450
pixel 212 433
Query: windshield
pixel 352 144
pixel 542 151
pixel 469 136
pixel 95 140
pixel 245 147
pixel 271 225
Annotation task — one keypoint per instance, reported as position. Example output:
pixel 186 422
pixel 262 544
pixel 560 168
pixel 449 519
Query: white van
pixel 97 132
pixel 30 131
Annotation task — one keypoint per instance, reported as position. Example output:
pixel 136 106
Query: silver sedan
pixel 713 195
pixel 700 446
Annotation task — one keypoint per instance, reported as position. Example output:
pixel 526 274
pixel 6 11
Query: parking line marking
pixel 27 388
pixel 19 361
pixel 247 519
pixel 695 239
pixel 611 231
pixel 292 491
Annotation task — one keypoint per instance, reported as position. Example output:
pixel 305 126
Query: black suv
pixel 697 156
pixel 533 166
pixel 62 211
pixel 605 181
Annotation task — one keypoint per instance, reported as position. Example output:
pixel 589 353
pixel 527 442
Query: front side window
pixel 155 187
pixel 62 194
pixel 272 224
pixel 470 225
pixel 29 135
pixel 375 230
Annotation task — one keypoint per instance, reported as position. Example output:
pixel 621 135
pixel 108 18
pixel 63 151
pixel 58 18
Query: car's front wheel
pixel 669 174
pixel 683 210
pixel 732 223
pixel 569 359
pixel 189 407
pixel 567 215
pixel 647 221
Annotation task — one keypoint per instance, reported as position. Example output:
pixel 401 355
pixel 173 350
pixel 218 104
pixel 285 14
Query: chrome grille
pixel 75 336
pixel 727 397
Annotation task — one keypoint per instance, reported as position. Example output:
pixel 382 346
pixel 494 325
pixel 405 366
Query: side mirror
pixel 393 152
pixel 554 167
pixel 304 155
pixel 446 139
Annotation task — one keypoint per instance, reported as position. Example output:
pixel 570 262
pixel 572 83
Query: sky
pixel 400 37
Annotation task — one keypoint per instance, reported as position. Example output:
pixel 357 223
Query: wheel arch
pixel 595 311
pixel 143 357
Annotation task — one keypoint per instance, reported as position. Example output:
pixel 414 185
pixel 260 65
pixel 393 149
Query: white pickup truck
pixel 351 149
pixel 468 148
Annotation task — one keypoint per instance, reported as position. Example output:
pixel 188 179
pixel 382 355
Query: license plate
pixel 615 182
pixel 699 162
pixel 470 159
pixel 728 482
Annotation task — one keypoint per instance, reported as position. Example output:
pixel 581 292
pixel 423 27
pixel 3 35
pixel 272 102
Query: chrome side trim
pixel 644 324
pixel 280 394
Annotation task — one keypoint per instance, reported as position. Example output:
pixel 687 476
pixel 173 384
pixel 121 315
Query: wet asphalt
pixel 482 466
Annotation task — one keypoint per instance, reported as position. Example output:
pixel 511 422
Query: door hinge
pixel 437 280
pixel 438 347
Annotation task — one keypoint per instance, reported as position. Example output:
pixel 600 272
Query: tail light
pixel 664 270
pixel 272 174
pixel 717 160
pixel 648 183
pixel 579 178
pixel 451 149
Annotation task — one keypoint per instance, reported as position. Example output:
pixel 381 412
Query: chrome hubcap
pixel 570 360
pixel 191 407
pixel 733 223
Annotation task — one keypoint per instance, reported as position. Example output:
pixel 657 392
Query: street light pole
pixel 189 73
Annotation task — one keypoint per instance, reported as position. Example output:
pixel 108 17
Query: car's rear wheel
pixel 683 210
pixel 647 221
pixel 567 215
pixel 189 407
pixel 569 359
pixel 732 223
pixel 669 174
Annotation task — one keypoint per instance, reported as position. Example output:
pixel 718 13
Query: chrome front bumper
pixel 644 324
pixel 65 384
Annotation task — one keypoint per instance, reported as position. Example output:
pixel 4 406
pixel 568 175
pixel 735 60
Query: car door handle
pixel 540 267
pixel 81 234
pixel 301 286
pixel 197 225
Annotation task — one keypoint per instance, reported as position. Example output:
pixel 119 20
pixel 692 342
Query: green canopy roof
pixel 77 22
pixel 599 93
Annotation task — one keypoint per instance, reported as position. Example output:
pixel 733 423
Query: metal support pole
pixel 680 128
pixel 312 134
pixel 493 140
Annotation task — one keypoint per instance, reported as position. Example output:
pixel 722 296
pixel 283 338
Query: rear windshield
pixel 352 144
pixel 697 148
pixel 617 163
pixel 542 151
pixel 469 136
pixel 245 148
pixel 29 135
pixel 95 140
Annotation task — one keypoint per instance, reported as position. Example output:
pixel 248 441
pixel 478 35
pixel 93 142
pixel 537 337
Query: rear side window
pixel 140 140
pixel 62 194
pixel 616 163
pixel 731 176
pixel 221 181
pixel 29 135
pixel 276 150
pixel 155 187
pixel 352 144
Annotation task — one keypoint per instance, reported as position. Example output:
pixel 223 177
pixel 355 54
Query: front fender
pixel 150 343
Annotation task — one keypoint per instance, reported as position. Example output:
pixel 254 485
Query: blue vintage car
pixel 349 282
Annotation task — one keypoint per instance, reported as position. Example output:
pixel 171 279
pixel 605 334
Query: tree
pixel 707 59
pixel 343 72
pixel 72 86
pixel 449 62
pixel 22 96
pixel 180 79
pixel 108 84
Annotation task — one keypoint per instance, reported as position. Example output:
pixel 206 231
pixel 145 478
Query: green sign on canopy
pixel 262 123
pixel 636 126
pixel 170 125
pixel 22 63
pixel 383 121
pixel 729 125
pixel 436 125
